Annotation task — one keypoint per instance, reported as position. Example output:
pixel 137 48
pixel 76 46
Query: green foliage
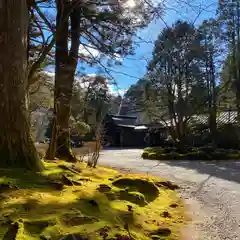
pixel 78 128
pixel 41 92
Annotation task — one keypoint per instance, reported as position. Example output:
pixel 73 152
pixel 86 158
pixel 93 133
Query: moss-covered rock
pixel 104 188
pixel 133 197
pixel 125 195
pixel 147 188
pixel 145 155
pixel 152 155
pixel 76 219
pixel 37 226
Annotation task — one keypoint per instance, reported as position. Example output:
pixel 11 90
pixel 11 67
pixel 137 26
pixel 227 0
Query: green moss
pixel 147 188
pixel 145 154
pixel 54 214
pixel 152 155
pixel 125 195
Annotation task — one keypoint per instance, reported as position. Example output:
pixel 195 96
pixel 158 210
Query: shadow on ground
pixel 227 170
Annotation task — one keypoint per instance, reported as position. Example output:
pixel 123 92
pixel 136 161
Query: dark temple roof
pixel 124 121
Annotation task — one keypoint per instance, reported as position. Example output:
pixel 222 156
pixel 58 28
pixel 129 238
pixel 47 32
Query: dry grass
pixel 49 213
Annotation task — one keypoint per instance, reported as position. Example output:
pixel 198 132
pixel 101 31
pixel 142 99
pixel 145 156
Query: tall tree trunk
pixel 16 146
pixel 234 64
pixel 213 109
pixel 66 64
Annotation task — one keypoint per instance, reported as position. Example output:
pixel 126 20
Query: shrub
pixel 148 149
pixel 152 155
pixel 203 153
pixel 173 156
pixel 219 155
pixel 199 155
pixel 207 149
pixel 169 150
pixel 164 156
pixel 235 156
pixel 145 155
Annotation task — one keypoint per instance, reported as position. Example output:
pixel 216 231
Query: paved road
pixel 211 190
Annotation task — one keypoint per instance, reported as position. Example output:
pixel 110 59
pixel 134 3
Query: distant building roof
pixel 142 127
pixel 124 121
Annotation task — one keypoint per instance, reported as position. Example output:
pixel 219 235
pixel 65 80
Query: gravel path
pixel 210 190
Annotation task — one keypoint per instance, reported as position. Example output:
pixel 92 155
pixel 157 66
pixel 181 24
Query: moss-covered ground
pixel 75 202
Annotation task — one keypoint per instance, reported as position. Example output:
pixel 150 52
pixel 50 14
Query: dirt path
pixel 211 190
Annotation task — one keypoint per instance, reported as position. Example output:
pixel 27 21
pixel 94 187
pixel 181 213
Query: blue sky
pixel 134 67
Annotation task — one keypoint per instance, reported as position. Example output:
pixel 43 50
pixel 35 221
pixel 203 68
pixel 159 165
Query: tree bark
pixel 16 146
pixel 66 63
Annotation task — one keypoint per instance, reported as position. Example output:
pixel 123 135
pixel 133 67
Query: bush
pixel 207 149
pixel 169 149
pixel 199 155
pixel 203 153
pixel 153 155
pixel 145 155
pixel 219 155
pixel 235 156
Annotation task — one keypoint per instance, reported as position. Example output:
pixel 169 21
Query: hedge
pixel 203 153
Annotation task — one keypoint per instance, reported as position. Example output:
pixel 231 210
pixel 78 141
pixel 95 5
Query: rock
pixel 104 188
pixel 166 214
pixel 74 219
pixel 167 184
pixel 38 226
pixel 133 197
pixel 147 188
pixel 174 205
